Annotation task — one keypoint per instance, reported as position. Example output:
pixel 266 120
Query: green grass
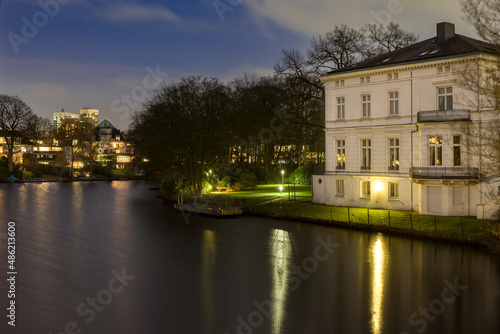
pixel 268 200
pixel 123 173
pixel 266 191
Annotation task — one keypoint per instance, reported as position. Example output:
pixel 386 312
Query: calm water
pixel 246 275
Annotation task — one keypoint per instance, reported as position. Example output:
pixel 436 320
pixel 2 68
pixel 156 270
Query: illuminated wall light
pixel 379 186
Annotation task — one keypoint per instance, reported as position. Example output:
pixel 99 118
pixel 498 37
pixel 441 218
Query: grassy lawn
pixel 123 173
pixel 267 199
pixel 266 191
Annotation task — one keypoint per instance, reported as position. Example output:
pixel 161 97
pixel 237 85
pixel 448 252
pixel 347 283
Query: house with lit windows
pixel 397 129
pixel 111 146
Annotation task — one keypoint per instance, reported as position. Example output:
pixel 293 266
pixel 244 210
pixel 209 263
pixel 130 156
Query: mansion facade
pixel 401 131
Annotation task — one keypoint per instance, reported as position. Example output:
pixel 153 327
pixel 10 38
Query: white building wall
pixel 417 86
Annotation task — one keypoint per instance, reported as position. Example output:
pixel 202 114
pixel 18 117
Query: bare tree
pixel 16 117
pixel 484 16
pixel 183 128
pixel 482 76
pixel 383 39
pixel 341 47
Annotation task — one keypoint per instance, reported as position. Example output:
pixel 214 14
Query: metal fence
pixel 468 227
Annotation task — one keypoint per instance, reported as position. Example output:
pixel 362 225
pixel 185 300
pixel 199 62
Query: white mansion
pixel 397 129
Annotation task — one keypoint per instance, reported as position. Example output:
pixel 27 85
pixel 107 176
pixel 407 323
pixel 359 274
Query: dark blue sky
pixel 95 53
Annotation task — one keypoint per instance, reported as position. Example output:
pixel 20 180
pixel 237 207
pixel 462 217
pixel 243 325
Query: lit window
pixel 393 190
pixel 339 187
pixel 123 159
pixel 341 107
pixel 340 154
pixel 366 152
pixel 435 150
pixel 457 160
pixel 366 103
pixel 393 103
pixel 394 154
pixel 445 98
pixel 365 189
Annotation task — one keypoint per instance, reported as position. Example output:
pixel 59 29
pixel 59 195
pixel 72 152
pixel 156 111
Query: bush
pixel 167 185
pixel 52 170
pixel 273 176
pixel 302 175
pixel 38 174
pixel 29 162
pixel 228 181
pixel 246 180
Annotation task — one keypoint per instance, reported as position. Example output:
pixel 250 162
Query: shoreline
pixel 492 246
pixel 74 179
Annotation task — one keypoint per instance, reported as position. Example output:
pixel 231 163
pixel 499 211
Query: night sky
pixel 92 53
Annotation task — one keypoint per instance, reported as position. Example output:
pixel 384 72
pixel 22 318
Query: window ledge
pixel 394 117
pixel 340 195
pixel 365 197
pixel 366 118
pixel 393 199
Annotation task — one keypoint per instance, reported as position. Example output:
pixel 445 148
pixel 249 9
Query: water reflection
pixel 281 250
pixel 378 268
pixel 207 278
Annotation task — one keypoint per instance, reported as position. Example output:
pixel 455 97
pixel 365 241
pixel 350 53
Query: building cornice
pixel 411 66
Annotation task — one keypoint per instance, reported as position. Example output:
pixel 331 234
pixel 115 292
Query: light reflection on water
pixel 209 256
pixel 281 249
pixel 203 277
pixel 378 268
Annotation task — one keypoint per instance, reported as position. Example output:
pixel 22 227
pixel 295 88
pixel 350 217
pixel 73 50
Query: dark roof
pixel 427 50
pixel 106 124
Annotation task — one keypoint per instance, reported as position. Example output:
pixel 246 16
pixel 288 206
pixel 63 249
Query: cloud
pixel 127 11
pixel 313 17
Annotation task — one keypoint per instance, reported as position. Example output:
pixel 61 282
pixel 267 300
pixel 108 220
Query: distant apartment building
pixel 399 131
pixel 112 146
pixel 60 117
pixel 89 116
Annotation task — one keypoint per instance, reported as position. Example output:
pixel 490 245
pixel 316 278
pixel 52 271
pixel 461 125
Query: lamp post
pixel 282 178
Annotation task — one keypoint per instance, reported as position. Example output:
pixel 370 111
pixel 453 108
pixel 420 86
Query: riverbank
pixel 268 201
pixel 488 244
pixel 73 179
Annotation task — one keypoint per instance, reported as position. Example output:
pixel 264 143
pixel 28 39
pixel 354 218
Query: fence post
pixel 411 223
pixel 368 215
pixel 348 216
pixel 435 224
pixel 462 225
pixel 389 216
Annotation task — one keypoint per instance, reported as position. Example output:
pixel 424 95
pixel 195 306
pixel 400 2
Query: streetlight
pixel 282 176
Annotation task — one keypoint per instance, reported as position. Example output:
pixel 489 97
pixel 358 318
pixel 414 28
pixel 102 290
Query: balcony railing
pixel 454 115
pixel 444 173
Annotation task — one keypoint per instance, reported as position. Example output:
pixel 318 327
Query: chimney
pixel 445 31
